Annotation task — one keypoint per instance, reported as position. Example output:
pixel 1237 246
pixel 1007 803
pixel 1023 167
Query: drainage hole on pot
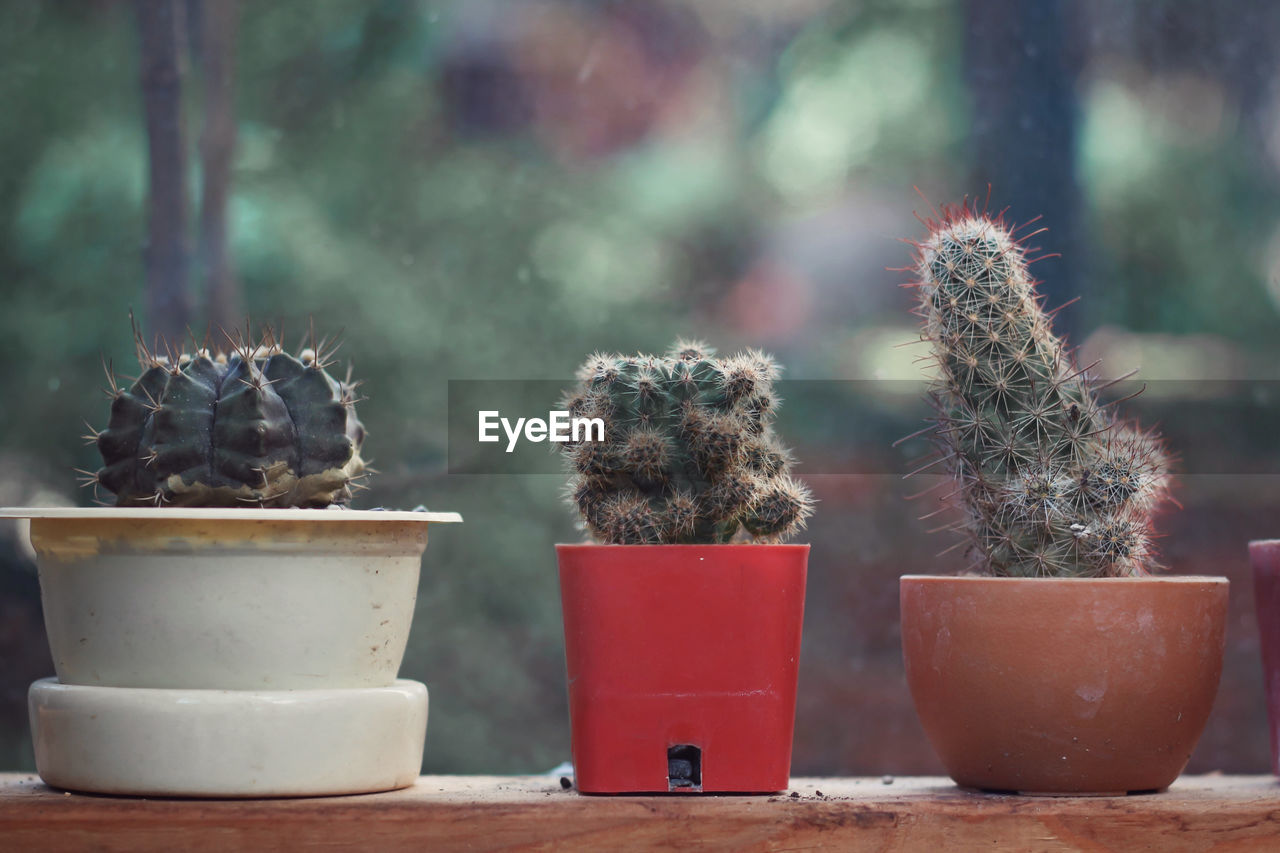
pixel 684 766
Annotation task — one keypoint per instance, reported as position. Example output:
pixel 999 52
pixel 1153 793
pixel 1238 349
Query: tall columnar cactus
pixel 689 454
pixel 1051 483
pixel 253 427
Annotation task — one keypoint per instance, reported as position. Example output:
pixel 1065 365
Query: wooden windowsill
pixel 534 812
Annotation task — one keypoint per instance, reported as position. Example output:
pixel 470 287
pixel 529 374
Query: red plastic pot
pixel 682 664
pixel 1265 556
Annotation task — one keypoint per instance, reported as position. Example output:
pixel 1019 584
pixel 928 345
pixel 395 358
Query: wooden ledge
pixel 534 812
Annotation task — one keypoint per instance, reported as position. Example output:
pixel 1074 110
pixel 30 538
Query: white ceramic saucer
pixel 228 743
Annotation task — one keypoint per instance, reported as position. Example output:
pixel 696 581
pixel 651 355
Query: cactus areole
pixel 1051 482
pixel 688 456
pixel 256 427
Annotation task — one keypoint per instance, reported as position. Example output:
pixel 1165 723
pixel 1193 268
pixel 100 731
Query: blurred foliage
pixel 494 189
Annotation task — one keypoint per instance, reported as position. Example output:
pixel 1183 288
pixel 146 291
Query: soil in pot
pixel 1063 686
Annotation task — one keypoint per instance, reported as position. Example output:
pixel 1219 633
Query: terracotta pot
pixel 682 664
pixel 1265 556
pixel 1063 686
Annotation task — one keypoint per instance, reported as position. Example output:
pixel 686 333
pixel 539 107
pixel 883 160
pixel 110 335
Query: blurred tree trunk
pixel 217 44
pixel 166 252
pixel 1021 68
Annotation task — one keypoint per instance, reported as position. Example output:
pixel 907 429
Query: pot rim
pixel 602 546
pixel 1217 580
pixel 226 514
pixel 1262 542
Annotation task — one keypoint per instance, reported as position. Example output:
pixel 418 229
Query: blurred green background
pixel 491 190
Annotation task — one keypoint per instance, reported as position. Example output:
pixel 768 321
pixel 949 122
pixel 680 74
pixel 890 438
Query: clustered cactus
pixel 689 454
pixel 1052 484
pixel 252 427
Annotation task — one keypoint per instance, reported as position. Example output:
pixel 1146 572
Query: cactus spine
pixel 689 454
pixel 253 427
pixel 1051 484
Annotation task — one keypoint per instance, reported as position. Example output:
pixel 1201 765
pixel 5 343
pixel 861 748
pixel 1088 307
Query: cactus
pixel 252 427
pixel 689 454
pixel 1051 483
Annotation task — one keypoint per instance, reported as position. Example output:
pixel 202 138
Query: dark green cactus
pixel 1051 483
pixel 689 454
pixel 255 427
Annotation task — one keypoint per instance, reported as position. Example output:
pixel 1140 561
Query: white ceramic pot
pixel 228 743
pixel 228 599
pixel 229 653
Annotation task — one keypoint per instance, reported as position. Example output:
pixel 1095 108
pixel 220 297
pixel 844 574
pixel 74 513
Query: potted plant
pixel 1265 556
pixel 228 628
pixel 1062 666
pixel 683 616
